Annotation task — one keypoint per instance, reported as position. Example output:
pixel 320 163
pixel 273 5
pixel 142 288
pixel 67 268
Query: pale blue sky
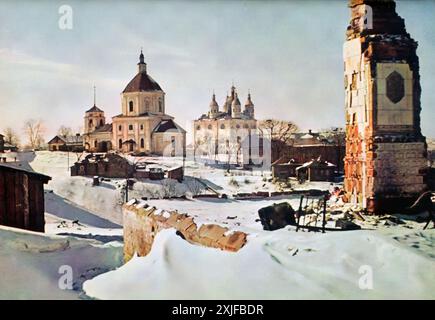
pixel 288 53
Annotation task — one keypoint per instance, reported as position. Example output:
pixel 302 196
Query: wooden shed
pixel 22 198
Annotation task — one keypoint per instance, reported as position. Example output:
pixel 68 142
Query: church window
pixel 90 122
pixel 95 143
pixel 130 127
pixel 130 105
pixel 160 105
pixel 120 144
pixel 222 126
pixel 260 146
pixel 101 122
pixel 142 143
pixel 141 127
pixel 238 126
pixel 173 146
pixel 120 128
pixel 147 105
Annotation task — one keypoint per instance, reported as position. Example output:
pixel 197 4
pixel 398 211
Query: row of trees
pixel 33 131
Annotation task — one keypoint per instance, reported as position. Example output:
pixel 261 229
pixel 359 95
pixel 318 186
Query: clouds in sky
pixel 288 53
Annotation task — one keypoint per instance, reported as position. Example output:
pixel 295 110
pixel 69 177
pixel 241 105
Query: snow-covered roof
pixel 312 162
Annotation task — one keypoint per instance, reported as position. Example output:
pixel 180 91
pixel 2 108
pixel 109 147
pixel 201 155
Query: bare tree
pixel 194 186
pixel 169 188
pixel 11 136
pixel 336 137
pixel 65 131
pixel 34 129
pixel 281 134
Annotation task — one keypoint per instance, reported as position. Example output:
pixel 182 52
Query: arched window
pixel 142 143
pixel 130 105
pixel 90 122
pixel 120 128
pixel 101 122
pixel 130 127
pixel 160 105
pixel 120 144
pixel 147 105
pixel 141 127
pixel 95 143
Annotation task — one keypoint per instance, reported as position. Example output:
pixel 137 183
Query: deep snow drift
pixel 30 263
pixel 274 265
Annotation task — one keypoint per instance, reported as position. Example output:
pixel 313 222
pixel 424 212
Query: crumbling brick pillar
pixel 385 151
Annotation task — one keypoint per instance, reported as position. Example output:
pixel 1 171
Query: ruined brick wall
pixel 141 225
pixel 385 150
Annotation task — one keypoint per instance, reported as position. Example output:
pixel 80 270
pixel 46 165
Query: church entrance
pixel 103 147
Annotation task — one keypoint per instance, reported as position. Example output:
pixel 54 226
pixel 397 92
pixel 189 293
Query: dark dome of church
pixel 94 109
pixel 142 82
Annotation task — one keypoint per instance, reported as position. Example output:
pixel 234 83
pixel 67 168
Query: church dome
pixel 249 102
pixel 94 109
pixel 213 102
pixel 236 101
pixel 142 82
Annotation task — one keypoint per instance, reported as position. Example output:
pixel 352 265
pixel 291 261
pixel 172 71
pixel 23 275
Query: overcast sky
pixel 288 53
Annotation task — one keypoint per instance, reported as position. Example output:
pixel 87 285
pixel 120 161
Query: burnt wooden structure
pixel 22 198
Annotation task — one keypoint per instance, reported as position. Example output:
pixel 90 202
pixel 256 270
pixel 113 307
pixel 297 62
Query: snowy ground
pixel 241 215
pixel 282 264
pixel 277 265
pixel 31 264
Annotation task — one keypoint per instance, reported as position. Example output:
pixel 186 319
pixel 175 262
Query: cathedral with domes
pixel 142 126
pixel 227 132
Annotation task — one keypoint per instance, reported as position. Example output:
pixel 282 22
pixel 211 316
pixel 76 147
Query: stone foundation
pixel 141 225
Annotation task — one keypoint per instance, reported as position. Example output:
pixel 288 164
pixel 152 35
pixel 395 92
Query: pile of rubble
pixel 333 213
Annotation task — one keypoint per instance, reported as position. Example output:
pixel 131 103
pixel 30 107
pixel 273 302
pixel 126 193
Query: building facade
pixel 66 143
pixel 142 125
pixel 22 198
pixel 385 149
pixel 2 142
pixel 230 134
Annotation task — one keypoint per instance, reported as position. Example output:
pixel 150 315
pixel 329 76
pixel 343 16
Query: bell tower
pixel 94 117
pixel 385 150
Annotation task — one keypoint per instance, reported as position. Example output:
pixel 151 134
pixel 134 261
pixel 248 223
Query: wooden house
pixel 66 143
pixel 22 198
